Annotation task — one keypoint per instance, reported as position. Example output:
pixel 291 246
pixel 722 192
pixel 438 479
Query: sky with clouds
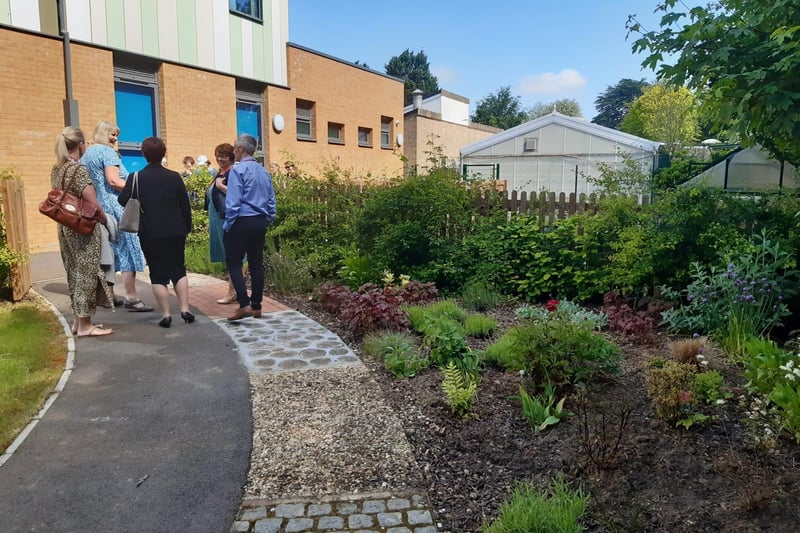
pixel 543 49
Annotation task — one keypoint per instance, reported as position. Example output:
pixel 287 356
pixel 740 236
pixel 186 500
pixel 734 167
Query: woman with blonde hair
pixel 79 253
pixel 109 175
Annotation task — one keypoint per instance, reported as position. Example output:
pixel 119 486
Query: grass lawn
pixel 32 356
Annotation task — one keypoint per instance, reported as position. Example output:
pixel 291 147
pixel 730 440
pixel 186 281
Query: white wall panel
pixel 280 36
pixel 247 49
pixel 97 14
pixel 221 34
pixel 205 33
pixel 133 26
pixel 168 30
pixel 25 14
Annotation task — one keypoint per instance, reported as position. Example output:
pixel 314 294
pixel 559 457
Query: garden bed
pixel 661 478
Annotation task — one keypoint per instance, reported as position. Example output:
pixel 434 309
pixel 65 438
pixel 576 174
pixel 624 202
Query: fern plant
pixel 459 389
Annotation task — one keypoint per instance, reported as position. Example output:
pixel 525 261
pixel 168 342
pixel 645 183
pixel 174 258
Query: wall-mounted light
pixel 277 123
pixel 399 139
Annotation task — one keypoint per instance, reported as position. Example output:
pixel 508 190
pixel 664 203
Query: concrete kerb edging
pixel 65 375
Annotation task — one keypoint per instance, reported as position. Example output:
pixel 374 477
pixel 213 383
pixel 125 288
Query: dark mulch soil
pixel 661 478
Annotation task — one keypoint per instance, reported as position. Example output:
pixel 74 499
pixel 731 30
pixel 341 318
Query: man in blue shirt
pixel 249 208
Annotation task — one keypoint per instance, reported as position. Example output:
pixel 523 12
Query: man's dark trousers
pixel 246 237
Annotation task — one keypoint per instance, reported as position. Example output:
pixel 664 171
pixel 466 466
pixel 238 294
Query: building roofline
pixel 571 122
pixel 343 61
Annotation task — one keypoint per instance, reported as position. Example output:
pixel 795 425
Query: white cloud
pixel 445 75
pixel 550 83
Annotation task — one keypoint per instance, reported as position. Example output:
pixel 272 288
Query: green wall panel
pixel 187 32
pixel 150 27
pixel 115 24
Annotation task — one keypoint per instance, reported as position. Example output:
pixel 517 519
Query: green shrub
pixel 557 351
pixel 315 218
pixel 419 315
pixel 445 337
pixel 287 273
pixel 671 389
pixel 480 296
pixel 741 300
pixel 479 326
pixel 398 352
pixel 357 268
pixel 554 509
pixel 408 225
pixel 708 387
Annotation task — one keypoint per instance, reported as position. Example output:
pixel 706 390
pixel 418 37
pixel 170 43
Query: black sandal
pixel 137 306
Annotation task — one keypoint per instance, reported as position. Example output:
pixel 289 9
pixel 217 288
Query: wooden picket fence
pixel 547 206
pixel 12 202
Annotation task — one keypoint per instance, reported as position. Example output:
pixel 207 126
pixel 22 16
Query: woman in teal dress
pixel 109 175
pixel 215 203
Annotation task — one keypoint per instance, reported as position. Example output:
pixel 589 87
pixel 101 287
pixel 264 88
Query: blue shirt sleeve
pixel 233 200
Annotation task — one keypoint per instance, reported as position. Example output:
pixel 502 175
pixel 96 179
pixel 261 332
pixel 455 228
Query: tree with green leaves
pixel 666 114
pixel 565 106
pixel 501 110
pixel 613 103
pixel 744 55
pixel 413 67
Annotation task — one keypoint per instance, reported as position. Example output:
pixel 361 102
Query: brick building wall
pixel 342 93
pixel 428 135
pixel 198 112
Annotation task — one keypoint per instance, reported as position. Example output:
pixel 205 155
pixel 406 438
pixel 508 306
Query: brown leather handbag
pixel 69 210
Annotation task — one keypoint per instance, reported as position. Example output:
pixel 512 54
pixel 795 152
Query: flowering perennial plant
pixel 744 299
pixel 775 375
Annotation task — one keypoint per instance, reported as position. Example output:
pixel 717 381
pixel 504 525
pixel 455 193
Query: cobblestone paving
pixel 285 341
pixel 370 514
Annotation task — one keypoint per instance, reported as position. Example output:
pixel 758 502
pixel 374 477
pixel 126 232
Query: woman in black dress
pixel 166 219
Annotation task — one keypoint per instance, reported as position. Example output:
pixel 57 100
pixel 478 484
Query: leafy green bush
pixel 708 387
pixel 357 268
pixel 406 226
pixel 555 351
pixel 554 509
pixel 315 218
pixel 447 343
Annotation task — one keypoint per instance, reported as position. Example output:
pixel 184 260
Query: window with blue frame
pixel 136 118
pixel 248 119
pixel 248 8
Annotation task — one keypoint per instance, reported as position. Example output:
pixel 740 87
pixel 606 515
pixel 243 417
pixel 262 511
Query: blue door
pixel 248 120
pixel 136 118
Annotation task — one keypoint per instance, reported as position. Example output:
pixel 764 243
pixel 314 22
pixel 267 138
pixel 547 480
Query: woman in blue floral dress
pixel 109 175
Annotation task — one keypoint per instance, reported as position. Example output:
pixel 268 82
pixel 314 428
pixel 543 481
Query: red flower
pixel 552 305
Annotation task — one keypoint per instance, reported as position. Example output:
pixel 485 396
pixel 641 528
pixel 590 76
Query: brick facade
pixel 344 94
pixel 197 111
pixel 428 136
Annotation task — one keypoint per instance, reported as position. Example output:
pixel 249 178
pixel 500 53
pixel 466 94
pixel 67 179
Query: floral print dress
pixel 128 256
pixel 80 253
